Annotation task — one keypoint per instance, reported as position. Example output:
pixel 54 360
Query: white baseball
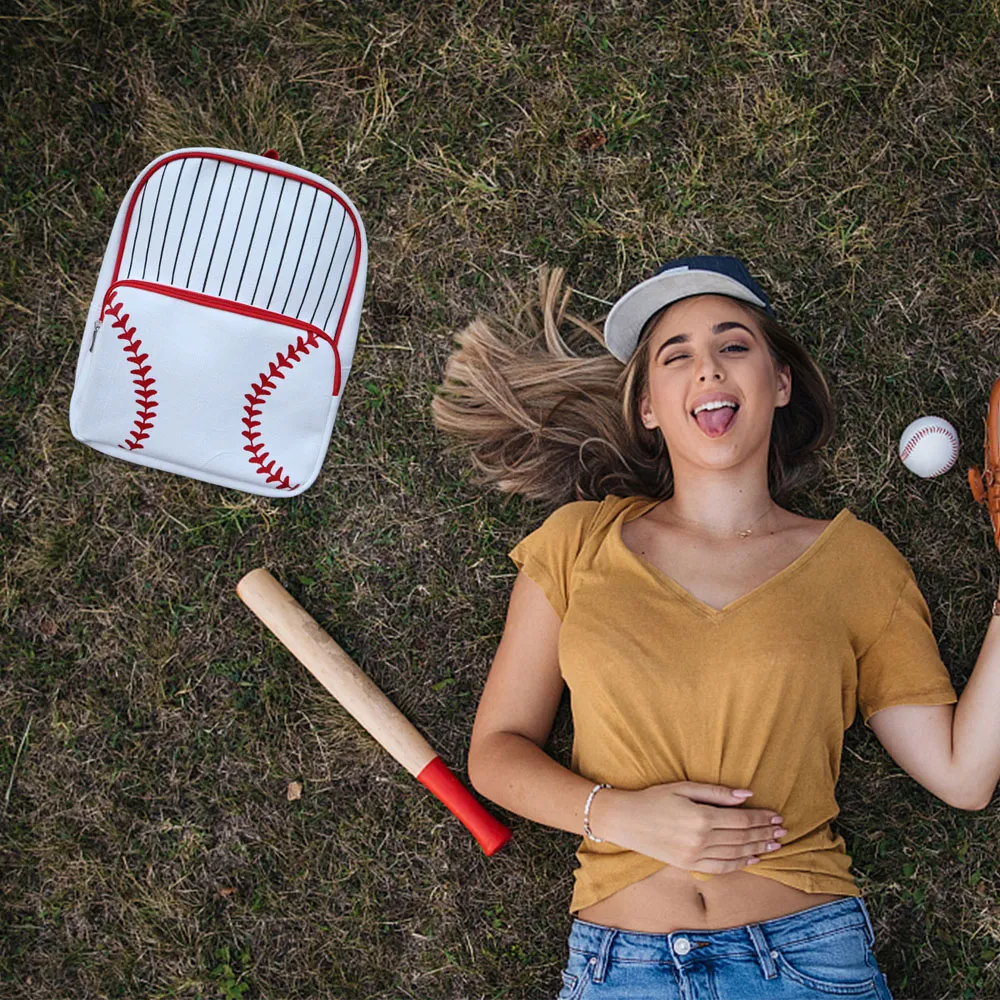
pixel 929 446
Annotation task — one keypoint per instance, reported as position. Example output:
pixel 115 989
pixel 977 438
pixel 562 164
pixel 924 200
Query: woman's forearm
pixel 975 731
pixel 519 775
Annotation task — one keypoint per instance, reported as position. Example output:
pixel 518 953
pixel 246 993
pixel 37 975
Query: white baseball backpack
pixel 223 325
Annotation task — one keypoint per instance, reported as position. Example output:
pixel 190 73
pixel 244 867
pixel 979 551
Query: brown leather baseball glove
pixel 985 484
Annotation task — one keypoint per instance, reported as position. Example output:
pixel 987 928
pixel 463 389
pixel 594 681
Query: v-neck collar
pixel 636 510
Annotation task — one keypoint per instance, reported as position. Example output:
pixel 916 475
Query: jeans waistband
pixel 682 947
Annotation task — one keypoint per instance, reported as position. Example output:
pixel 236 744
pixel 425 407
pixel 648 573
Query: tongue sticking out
pixel 715 422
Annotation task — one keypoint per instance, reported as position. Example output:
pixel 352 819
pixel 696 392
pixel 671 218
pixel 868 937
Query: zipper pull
pixel 97 326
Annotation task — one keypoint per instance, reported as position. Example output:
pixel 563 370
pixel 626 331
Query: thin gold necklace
pixel 743 534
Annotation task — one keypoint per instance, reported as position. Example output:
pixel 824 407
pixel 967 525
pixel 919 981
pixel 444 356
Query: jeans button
pixel 682 946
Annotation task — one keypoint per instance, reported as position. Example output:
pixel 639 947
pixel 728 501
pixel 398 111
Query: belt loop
pixel 868 921
pixel 764 952
pixel 604 955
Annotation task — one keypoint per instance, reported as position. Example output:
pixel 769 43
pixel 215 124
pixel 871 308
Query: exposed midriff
pixel 670 900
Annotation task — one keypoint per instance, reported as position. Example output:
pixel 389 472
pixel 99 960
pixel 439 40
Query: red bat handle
pixel 490 832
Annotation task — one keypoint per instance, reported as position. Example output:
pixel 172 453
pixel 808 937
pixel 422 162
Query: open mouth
pixel 715 423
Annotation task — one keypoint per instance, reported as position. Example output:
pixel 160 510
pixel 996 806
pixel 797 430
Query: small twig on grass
pixel 10 784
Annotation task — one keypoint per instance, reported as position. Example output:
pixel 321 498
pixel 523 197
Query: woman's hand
pixel 688 824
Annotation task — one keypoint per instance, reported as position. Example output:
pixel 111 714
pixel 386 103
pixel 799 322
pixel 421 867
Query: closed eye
pixel 737 346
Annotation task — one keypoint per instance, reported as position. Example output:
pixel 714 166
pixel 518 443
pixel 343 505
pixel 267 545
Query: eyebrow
pixel 683 338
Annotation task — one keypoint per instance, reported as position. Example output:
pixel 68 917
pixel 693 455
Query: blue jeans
pixel 823 951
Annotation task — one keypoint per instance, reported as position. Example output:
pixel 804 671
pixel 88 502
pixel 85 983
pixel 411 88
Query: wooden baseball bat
pixel 299 632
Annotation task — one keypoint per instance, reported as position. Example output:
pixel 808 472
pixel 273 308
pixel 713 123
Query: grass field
pixel 150 726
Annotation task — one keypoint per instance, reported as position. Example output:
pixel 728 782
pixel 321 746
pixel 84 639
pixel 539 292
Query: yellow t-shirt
pixel 757 695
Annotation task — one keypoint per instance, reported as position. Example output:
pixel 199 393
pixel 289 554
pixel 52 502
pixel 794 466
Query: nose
pixel 710 365
pixel 713 372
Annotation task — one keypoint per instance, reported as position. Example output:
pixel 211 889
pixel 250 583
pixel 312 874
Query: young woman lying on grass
pixel 715 644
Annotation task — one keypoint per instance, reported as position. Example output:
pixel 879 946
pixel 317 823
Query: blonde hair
pixel 539 419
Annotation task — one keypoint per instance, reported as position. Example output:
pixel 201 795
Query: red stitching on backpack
pixel 146 405
pixel 256 399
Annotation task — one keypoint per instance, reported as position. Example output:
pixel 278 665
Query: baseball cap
pixel 677 279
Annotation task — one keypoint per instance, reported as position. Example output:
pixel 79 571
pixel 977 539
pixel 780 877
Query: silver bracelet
pixel 586 814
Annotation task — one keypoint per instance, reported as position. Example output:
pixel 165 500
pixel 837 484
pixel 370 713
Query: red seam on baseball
pixel 912 442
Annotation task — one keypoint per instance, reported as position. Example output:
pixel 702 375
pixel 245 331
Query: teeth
pixel 713 406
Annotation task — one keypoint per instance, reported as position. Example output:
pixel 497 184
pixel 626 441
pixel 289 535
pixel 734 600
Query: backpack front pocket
pixel 204 387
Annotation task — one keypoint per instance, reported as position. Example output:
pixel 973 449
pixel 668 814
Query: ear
pixel 646 412
pixel 784 385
